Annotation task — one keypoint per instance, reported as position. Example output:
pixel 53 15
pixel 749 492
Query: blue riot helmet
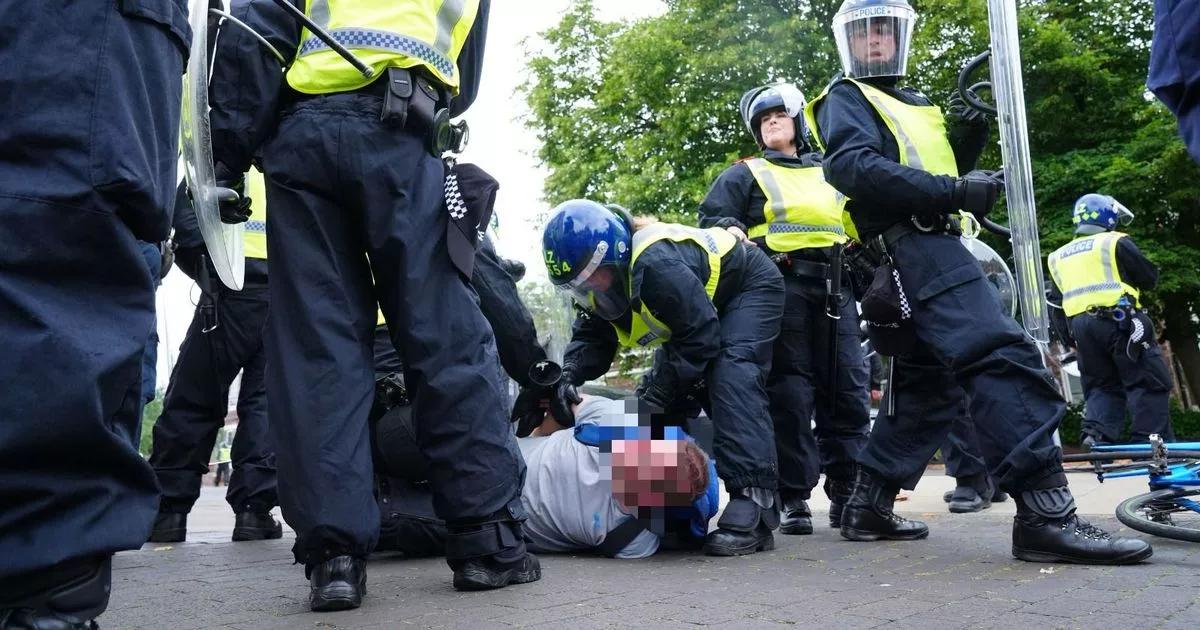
pixel 587 249
pixel 765 99
pixel 1095 213
pixel 873 37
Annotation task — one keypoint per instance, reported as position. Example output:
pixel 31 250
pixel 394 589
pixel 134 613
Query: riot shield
pixel 996 272
pixel 223 240
pixel 1008 88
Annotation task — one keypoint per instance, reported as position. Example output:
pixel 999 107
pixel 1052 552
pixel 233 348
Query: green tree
pixel 645 113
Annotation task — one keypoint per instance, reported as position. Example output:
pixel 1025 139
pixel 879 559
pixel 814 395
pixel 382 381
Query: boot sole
pixel 337 601
pixel 726 552
pixel 476 581
pixel 1045 556
pixel 244 534
pixel 961 509
pixel 796 530
pixel 168 536
pixel 861 535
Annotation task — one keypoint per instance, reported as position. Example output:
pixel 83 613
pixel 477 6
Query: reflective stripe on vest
pixel 919 130
pixel 645 329
pixel 1086 272
pixel 415 33
pixel 254 235
pixel 801 209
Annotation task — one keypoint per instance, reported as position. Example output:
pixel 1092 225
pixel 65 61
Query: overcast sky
pixel 499 143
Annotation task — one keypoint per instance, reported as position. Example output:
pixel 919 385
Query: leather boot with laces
pixel 797 517
pixel 1046 529
pixel 869 516
pixel 838 491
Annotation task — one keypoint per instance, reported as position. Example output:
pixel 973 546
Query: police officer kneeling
pixel 713 305
pixel 1100 276
pixel 886 147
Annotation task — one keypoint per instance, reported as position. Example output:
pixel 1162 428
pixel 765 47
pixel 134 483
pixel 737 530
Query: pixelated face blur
pixel 875 43
pixel 778 131
pixel 649 473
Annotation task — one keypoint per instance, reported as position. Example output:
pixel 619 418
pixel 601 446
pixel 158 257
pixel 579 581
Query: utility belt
pixel 938 224
pixel 792 265
pixel 1116 313
pixel 413 100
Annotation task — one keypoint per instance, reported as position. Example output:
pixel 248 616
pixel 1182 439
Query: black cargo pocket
pixel 169 14
pixel 949 280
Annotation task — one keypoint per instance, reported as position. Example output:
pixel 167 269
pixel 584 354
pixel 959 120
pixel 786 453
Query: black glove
pixel 232 201
pixel 976 191
pixel 564 396
pixel 958 112
pixel 529 410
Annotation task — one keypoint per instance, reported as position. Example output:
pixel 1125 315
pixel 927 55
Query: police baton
pixel 324 36
pixel 208 297
pixel 833 310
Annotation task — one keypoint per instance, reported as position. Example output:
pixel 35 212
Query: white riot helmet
pixel 761 100
pixel 873 37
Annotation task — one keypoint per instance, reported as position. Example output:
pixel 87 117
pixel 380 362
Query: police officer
pixel 782 203
pixel 1099 278
pixel 886 147
pixel 225 337
pixel 91 112
pixel 712 306
pixel 359 218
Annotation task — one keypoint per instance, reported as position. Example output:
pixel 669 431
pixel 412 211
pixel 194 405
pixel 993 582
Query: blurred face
pixel 649 473
pixel 877 43
pixel 778 131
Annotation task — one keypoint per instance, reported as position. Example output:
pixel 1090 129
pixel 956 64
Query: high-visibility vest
pixel 919 130
pixel 254 235
pixel 801 210
pixel 645 329
pixel 426 34
pixel 1086 272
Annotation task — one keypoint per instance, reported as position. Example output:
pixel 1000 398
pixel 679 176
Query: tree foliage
pixel 645 113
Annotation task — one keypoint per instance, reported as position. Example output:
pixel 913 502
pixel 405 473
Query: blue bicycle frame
pixel 1177 476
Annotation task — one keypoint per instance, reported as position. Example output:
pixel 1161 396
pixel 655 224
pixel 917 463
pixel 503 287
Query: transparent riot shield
pixel 224 241
pixel 1009 90
pixel 996 271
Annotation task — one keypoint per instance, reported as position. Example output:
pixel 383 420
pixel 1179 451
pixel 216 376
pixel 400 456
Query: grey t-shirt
pixel 567 497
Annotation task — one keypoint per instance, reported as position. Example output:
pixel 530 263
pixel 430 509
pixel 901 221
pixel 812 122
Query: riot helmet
pixel 587 249
pixel 1095 213
pixel 762 100
pixel 873 37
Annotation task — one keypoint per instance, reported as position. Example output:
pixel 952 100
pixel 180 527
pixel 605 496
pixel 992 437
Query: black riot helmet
pixel 873 37
pixel 764 99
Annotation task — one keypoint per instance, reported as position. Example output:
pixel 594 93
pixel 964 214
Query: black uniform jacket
pixel 248 87
pixel 862 159
pixel 669 278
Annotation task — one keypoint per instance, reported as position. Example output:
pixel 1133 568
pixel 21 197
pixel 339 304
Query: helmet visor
pixel 1124 215
pixel 600 288
pixel 778 96
pixel 873 41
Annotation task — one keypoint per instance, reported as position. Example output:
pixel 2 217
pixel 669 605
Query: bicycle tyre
pixel 1128 513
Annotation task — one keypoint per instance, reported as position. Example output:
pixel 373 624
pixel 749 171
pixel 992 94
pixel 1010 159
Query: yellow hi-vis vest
pixel 919 130
pixel 645 329
pixel 802 210
pixel 1086 272
pixel 254 235
pixel 403 34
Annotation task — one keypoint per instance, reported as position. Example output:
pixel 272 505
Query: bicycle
pixel 1172 507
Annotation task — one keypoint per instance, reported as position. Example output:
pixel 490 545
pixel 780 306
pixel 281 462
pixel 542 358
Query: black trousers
pixel 799 387
pixel 195 405
pixel 358 219
pixel 1115 382
pixel 967 346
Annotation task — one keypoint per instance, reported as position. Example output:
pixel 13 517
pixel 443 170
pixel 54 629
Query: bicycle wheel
pixel 1161 513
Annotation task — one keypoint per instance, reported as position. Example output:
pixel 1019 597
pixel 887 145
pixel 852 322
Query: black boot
pixel 869 515
pixel 339 583
pixel 169 527
pixel 490 553
pixel 67 597
pixel 1046 529
pixel 745 525
pixel 972 494
pixel 797 518
pixel 256 526
pixel 482 574
pixel 838 491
